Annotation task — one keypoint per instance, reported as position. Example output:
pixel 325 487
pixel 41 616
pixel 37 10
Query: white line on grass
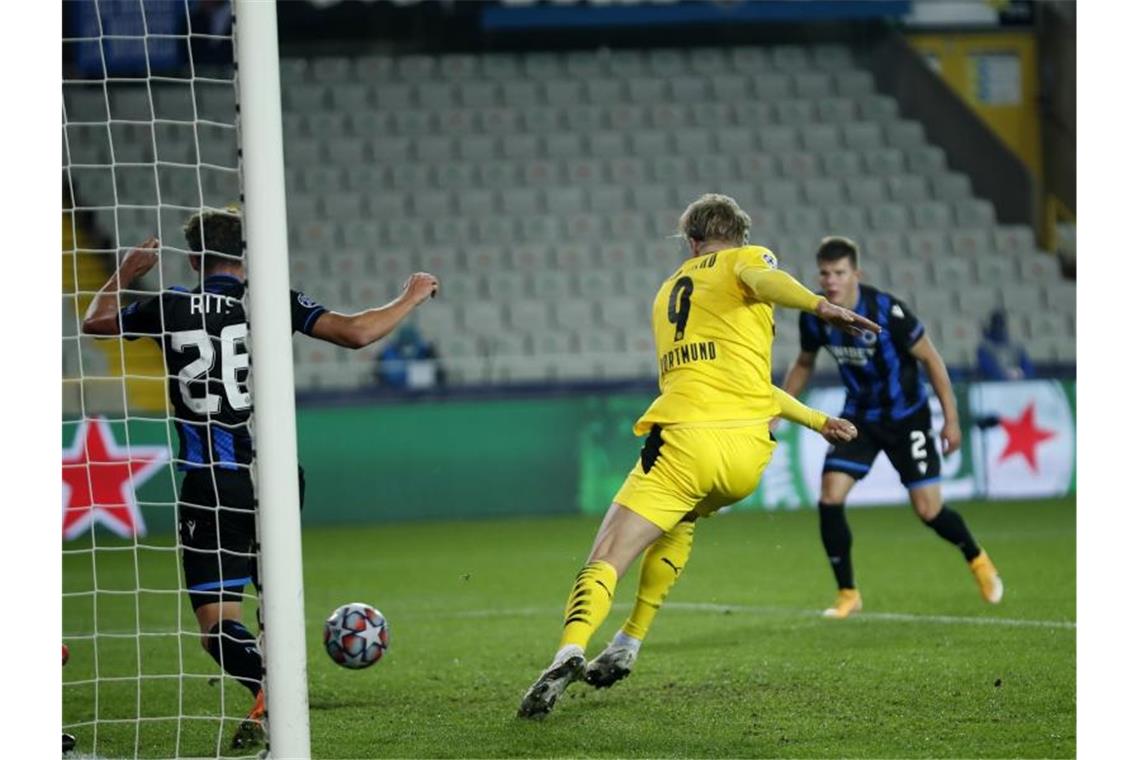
pixel 902 617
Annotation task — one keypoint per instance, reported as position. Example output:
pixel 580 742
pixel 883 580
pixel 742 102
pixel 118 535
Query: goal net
pixel 150 137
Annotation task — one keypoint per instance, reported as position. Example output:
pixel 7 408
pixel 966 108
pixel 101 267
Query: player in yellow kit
pixel 707 432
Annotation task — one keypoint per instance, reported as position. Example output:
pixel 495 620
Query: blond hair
pixel 715 217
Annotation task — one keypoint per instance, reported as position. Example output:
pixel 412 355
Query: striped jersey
pixel 882 378
pixel 203 338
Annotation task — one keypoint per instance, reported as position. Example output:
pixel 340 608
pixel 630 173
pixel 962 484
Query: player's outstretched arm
pixel 366 327
pixel 781 289
pixel 833 429
pixel 102 316
pixel 925 352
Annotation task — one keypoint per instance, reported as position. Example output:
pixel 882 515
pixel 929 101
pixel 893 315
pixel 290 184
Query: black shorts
pixel 909 443
pixel 217 529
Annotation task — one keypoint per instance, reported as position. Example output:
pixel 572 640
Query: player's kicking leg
pixel 661 567
pixel 622 536
pixel 949 525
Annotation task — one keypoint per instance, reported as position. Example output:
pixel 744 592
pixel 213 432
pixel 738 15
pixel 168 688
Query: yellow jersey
pixel 714 343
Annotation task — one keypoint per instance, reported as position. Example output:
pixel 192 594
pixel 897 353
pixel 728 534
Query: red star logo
pixel 1024 436
pixel 99 481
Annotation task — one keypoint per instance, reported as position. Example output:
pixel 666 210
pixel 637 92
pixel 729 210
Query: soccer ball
pixel 356 635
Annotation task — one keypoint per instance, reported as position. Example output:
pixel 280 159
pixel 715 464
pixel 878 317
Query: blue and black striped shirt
pixel 203 337
pixel 882 377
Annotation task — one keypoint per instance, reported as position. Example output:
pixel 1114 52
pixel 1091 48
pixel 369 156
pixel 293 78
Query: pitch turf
pixel 738 665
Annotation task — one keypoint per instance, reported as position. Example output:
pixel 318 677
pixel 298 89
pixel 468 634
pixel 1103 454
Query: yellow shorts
pixel 683 469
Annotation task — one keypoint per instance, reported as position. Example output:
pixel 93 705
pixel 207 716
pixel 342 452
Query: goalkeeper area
pixel 739 664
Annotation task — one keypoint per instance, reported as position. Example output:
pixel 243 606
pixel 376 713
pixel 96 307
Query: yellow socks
pixel 589 603
pixel 660 567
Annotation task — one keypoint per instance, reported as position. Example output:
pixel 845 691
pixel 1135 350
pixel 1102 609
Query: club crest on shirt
pixel 770 260
pixel 305 301
pixel 868 338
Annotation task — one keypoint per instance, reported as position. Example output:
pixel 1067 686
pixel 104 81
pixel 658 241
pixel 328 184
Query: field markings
pixel 901 617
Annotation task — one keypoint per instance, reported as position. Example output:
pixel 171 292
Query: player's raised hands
pixel 951 437
pixel 837 430
pixel 845 319
pixel 420 287
pixel 139 260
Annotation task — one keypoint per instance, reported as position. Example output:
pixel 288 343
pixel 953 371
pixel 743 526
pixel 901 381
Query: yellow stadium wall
pixel 996 74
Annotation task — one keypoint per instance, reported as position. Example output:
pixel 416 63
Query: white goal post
pixel 170 109
pixel 271 373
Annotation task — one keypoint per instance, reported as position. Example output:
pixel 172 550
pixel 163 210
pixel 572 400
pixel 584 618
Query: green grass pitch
pixel 739 663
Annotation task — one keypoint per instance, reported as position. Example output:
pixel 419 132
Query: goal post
pixel 170 109
pixel 271 374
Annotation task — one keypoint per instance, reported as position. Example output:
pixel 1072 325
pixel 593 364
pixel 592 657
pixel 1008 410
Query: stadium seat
pixel 647 90
pixel 799 165
pixel 849 221
pixel 594 341
pixel 552 284
pixel 837 110
pixel 728 87
pixel 884 162
pixel 854 83
pixel 1045 324
pixel 969 242
pixel 841 164
pixel 866 190
pixel 925 244
pixel 585 119
pixel 803 220
pixel 904 134
pixel 779 194
pixel 824 192
pixel 550 342
pixel 797 112
pixel 926 160
pixel 528 314
pixel 909 274
pixel 482 318
pixel 889 217
pixel 622 314
pixel 931 215
pixel 563 92
pixel 907 188
pixel 951 272
pixel 862 135
pixel 884 245
pixel 933 304
pixel 812 85
pixel 1022 298
pixel 1044 268
pixel 523 257
pixel 950 187
pixel 590 228
pixel 458 66
pixel 574 313
pixel 774 139
pixel 1062 296
pixel 974 213
pixel 1014 239
pixel 572 257
pixel 977 302
pixel 497 66
pixel 596 283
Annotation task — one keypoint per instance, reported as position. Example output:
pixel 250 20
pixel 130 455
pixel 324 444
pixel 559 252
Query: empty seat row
pixel 846 182
pixel 854 139
pixel 603 90
pixel 583 63
pixel 585 118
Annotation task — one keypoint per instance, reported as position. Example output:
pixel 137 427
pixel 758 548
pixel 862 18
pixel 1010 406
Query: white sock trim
pixel 567 651
pixel 624 640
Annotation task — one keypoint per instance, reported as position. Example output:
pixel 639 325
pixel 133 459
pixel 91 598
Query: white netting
pixel 149 138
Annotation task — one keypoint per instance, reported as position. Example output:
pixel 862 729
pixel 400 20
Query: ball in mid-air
pixel 356 635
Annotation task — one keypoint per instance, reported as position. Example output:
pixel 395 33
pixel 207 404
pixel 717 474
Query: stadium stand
pixel 542 188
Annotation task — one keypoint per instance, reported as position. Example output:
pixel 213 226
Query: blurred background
pixel 535 156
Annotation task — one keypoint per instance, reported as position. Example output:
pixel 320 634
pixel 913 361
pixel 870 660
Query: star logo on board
pixel 1024 437
pixel 100 478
